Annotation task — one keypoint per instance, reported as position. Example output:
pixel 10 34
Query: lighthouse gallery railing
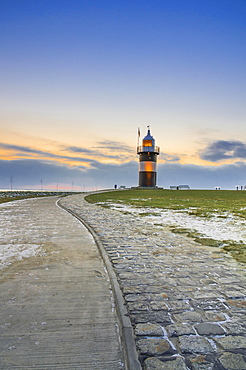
pixel 151 149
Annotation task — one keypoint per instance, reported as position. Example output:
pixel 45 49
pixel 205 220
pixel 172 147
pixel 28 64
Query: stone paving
pixel 186 302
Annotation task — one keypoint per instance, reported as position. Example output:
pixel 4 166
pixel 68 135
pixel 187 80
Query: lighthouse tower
pixel 148 153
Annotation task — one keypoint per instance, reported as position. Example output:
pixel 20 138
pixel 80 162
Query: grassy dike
pixel 8 196
pixel 201 203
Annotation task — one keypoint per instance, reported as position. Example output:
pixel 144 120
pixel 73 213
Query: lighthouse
pixel 148 153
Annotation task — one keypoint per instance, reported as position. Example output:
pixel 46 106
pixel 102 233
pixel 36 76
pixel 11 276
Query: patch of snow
pixel 22 235
pixel 228 227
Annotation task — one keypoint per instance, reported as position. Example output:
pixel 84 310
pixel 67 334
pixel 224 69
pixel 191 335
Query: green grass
pixel 202 203
pixel 236 249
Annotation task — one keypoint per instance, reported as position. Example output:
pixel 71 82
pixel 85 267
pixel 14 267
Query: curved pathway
pixel 186 302
pixel 57 308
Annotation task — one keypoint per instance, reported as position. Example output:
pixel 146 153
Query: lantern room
pixel 149 142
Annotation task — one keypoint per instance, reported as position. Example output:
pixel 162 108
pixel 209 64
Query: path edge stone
pixel 126 330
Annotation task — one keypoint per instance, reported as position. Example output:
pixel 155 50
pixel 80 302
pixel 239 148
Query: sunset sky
pixel 79 77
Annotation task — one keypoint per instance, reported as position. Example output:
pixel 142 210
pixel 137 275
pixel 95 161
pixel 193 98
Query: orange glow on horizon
pixel 31 148
pixel 62 156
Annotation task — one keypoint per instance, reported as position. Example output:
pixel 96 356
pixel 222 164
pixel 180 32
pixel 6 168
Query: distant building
pixel 184 187
pixel 179 187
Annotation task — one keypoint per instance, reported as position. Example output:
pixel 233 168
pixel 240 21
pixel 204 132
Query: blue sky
pixel 79 77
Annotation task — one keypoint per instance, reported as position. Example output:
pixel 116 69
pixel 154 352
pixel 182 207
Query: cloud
pixel 169 157
pixel 105 145
pixel 105 149
pixel 109 151
pixel 222 150
pixel 25 151
pixel 76 149
pixel 96 153
pixel 114 146
pixel 19 148
pixel 202 177
pixel 28 173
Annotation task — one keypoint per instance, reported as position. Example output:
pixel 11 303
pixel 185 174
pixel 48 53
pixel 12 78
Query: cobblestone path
pixel 186 302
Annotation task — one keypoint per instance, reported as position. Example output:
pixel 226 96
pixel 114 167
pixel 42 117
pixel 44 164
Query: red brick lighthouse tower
pixel 148 153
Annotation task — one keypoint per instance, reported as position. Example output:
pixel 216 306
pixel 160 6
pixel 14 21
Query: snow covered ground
pixel 18 232
pixel 227 227
pixel 24 229
pixel 31 227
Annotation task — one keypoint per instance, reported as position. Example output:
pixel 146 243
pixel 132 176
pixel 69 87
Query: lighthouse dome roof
pixel 148 136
